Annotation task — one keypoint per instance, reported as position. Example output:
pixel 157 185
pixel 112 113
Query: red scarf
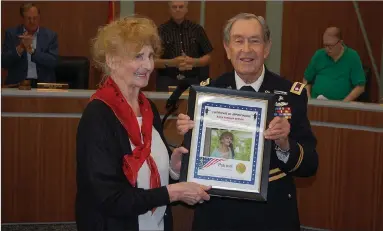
pixel 111 95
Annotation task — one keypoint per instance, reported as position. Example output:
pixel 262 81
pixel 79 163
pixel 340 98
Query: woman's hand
pixel 188 192
pixel 175 162
pixel 184 124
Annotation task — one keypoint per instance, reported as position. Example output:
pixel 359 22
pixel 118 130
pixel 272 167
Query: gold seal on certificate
pixel 241 168
pixel 227 149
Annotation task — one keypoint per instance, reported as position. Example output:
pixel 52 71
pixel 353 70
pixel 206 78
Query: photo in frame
pixel 227 149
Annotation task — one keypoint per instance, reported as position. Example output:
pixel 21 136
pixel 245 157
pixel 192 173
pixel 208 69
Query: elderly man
pixel 247 44
pixel 335 72
pixel 29 51
pixel 186 49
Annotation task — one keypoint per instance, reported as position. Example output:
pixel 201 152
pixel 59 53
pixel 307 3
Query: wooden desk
pixel 38 160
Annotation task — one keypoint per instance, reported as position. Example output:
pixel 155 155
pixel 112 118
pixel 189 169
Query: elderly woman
pixel 122 158
pixel 225 149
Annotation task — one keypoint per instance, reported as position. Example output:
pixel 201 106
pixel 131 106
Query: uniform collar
pixel 256 85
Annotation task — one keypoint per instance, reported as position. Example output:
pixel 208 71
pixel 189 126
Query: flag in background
pixel 110 11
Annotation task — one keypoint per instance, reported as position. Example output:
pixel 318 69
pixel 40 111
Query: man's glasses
pixel 330 46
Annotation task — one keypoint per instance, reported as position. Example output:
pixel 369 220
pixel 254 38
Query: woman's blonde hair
pixel 124 37
pixel 226 134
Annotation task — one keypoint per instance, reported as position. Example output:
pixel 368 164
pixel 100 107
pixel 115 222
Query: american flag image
pixel 205 162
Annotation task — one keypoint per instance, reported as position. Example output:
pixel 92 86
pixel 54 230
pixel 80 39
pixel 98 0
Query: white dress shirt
pixel 32 70
pixel 155 221
pixel 256 85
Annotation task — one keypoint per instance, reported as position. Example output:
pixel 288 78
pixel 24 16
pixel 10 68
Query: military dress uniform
pixel 280 211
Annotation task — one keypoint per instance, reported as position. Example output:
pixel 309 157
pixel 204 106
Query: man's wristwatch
pixel 283 155
pixel 278 149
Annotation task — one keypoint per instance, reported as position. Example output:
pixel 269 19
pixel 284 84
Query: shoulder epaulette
pixel 205 82
pixel 297 88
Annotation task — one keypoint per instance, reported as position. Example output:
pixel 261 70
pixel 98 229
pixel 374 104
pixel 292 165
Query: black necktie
pixel 247 88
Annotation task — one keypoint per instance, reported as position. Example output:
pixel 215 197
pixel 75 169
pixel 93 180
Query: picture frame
pixel 227 148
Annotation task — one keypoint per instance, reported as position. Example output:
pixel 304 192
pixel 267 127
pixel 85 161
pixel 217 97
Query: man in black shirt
pixel 186 49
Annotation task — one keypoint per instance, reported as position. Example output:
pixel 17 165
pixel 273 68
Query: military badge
pixel 283 112
pixel 280 92
pixel 297 88
pixel 205 83
pixel 281 104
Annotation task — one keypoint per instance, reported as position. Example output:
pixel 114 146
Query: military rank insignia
pixel 205 83
pixel 283 112
pixel 297 88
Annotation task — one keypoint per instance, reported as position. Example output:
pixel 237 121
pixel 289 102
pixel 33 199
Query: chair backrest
pixel 73 70
pixel 366 95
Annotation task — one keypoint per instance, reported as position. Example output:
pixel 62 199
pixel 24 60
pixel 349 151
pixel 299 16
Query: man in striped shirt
pixel 186 49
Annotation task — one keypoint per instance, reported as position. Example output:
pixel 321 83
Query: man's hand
pixel 187 64
pixel 184 124
pixel 185 67
pixel 308 88
pixel 176 62
pixel 20 49
pixel 26 40
pixel 354 94
pixel 190 61
pixel 279 130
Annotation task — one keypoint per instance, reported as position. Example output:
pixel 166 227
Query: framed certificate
pixel 227 149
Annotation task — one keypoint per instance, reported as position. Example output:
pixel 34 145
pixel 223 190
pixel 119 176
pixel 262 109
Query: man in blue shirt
pixel 29 51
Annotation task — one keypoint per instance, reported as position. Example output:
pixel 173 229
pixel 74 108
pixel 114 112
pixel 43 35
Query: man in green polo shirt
pixel 335 72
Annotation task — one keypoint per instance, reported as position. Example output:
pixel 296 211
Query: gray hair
pixel 26 6
pixel 246 16
pixel 186 3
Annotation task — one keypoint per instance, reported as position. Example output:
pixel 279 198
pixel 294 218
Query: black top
pixel 105 199
pixel 280 212
pixel 188 37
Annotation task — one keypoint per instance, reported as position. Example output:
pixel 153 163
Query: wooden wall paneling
pixel 43 105
pixel 305 22
pixel 345 116
pixel 65 105
pixel 217 13
pixel 75 23
pixel 38 169
pixel 347 190
pixel 159 13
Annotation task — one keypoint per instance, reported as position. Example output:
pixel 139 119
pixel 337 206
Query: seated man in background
pixel 186 49
pixel 29 51
pixel 335 72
